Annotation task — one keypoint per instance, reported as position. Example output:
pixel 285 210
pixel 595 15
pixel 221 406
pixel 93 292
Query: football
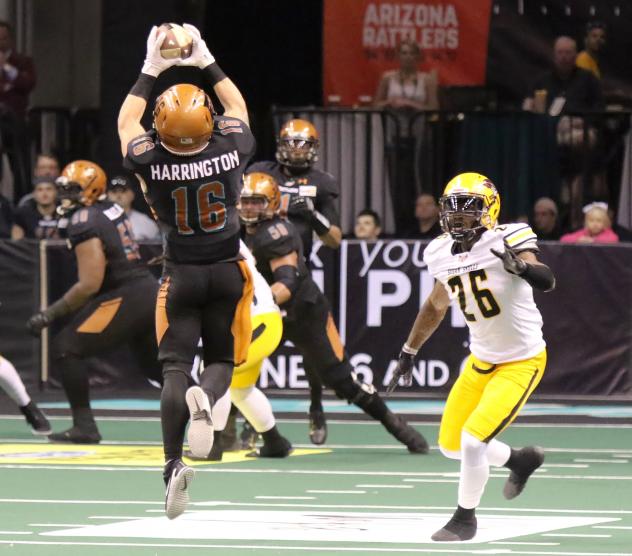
pixel 177 42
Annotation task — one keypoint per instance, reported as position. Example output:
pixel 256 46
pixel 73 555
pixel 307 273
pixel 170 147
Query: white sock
pixel 220 411
pixel 254 406
pixel 474 471
pixel 498 453
pixel 12 384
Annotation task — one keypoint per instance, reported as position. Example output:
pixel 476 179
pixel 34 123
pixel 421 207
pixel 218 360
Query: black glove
pixel 301 206
pixel 37 322
pixel 405 363
pixel 512 263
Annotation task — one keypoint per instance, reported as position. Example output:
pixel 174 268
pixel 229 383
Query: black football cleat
pixel 177 477
pixel 523 463
pixel 456 530
pixel 276 447
pixel 77 435
pixel 317 427
pixel 36 419
pixel 414 441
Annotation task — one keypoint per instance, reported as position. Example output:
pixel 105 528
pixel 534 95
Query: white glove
pixel 200 54
pixel 155 64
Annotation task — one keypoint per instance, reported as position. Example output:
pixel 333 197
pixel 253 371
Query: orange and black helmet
pixel 81 182
pixel 297 144
pixel 183 119
pixel 263 188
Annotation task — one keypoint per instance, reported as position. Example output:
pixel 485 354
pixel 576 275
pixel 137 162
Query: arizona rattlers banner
pixel 361 38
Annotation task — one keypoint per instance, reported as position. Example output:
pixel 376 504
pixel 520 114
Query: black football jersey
pixel 194 198
pixel 35 224
pixel 276 238
pixel 108 222
pixel 320 186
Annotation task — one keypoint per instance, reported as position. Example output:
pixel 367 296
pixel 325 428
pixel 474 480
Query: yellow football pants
pixel 267 331
pixel 486 398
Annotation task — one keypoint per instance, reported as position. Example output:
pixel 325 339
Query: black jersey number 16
pixel 211 211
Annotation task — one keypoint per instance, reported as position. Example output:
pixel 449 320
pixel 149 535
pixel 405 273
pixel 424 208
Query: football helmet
pixel 260 198
pixel 183 119
pixel 81 183
pixel 470 203
pixel 297 144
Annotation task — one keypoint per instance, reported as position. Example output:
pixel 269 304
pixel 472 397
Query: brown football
pixel 177 43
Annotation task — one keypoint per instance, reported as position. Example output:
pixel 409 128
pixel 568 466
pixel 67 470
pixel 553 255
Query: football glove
pixel 200 54
pixel 37 323
pixel 512 263
pixel 155 64
pixel 301 206
pixel 404 369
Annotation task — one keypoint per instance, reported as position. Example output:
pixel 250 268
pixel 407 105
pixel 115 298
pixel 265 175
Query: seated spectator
pixel 597 227
pixel 546 222
pixel 37 218
pixel 367 225
pixel 594 42
pixel 6 217
pixel 120 191
pixel 427 216
pixel 46 166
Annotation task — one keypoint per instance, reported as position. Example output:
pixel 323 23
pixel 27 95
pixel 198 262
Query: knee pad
pixel 473 450
pixel 450 454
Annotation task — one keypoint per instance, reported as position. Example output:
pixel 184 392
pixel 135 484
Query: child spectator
pixel 597 227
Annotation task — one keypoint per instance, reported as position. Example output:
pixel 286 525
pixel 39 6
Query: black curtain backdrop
pixel 271 50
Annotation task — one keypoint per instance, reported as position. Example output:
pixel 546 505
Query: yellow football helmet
pixel 470 202
pixel 260 198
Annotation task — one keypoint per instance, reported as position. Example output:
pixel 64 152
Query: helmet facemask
pixel 297 152
pixel 253 208
pixel 69 194
pixel 463 216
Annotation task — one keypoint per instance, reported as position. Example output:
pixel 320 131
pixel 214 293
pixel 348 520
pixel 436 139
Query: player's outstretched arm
pixel 91 265
pixel 526 265
pixel 286 279
pixel 226 91
pixel 133 108
pixel 428 319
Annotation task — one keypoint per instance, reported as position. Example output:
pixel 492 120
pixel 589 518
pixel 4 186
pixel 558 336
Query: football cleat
pixel 527 461
pixel 177 477
pixel 279 447
pixel 317 427
pixel 456 530
pixel 200 435
pixel 77 435
pixel 36 419
pixel 406 434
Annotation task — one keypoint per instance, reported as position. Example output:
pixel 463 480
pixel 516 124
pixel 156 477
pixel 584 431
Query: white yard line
pixel 285 497
pixel 16 532
pixel 385 486
pixel 336 491
pixel 601 460
pixel 577 535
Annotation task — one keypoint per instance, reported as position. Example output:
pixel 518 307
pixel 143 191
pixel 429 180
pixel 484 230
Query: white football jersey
pixel 263 301
pixel 504 321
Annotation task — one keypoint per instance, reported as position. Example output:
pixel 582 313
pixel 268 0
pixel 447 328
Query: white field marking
pixel 527 543
pixel 285 497
pixel 579 535
pixel 432 480
pixel 50 501
pixel 385 486
pixel 16 532
pixel 564 465
pixel 336 491
pixel 68 417
pixel 621 455
pixel 58 524
pixel 627 527
pixel 119 516
pixel 316 548
pixel 601 460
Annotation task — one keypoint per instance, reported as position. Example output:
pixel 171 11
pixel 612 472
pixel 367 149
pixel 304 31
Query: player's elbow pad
pixel 288 276
pixel 540 277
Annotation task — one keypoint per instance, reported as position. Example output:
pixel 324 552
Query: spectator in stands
pixel 46 166
pixel 367 225
pixel 565 88
pixel 17 79
pixel 37 218
pixel 427 216
pixel 546 222
pixel 597 227
pixel 6 217
pixel 120 191
pixel 594 42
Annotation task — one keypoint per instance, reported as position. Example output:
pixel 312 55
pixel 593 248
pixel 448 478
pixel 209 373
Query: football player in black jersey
pixel 308 200
pixel 308 322
pixel 112 300
pixel 190 167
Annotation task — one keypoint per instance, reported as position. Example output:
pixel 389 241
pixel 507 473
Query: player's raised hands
pixel 200 55
pixel 512 263
pixel 155 64
pixel 405 364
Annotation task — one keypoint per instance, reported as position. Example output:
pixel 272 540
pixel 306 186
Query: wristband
pixel 214 73
pixel 320 223
pixel 409 350
pixel 58 309
pixel 143 86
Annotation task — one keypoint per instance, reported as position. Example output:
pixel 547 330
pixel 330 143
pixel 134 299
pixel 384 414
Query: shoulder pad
pixel 139 150
pixel 274 238
pixel 83 225
pixel 433 248
pixel 225 125
pixel 519 236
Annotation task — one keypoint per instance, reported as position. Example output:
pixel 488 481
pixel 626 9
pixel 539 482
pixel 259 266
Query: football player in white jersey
pixel 267 330
pixel 490 270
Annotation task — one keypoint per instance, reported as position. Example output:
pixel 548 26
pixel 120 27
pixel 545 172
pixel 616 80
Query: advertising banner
pixel 361 38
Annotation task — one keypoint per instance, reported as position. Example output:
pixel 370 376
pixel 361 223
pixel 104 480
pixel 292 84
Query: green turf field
pixel 363 494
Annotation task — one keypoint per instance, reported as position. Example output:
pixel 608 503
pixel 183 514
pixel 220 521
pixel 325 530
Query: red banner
pixel 361 38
